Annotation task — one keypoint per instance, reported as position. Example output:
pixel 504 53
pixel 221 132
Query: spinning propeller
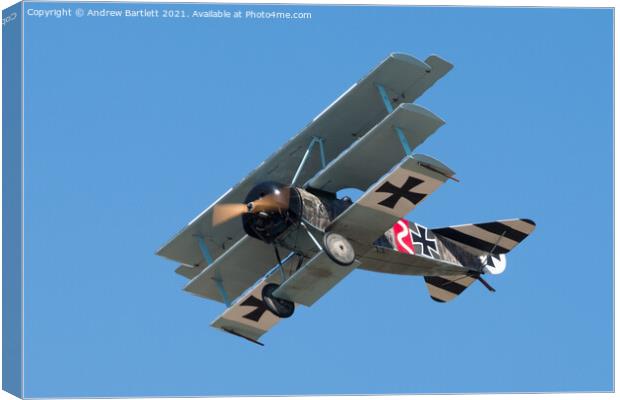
pixel 276 201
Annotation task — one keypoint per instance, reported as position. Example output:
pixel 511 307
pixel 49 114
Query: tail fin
pixel 490 241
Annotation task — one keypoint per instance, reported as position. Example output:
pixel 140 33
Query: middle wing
pixel 390 199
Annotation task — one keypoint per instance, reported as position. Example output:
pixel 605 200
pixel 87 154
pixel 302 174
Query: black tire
pixel 279 307
pixel 338 248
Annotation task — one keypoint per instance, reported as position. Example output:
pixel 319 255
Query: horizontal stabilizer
pixel 497 237
pixel 445 288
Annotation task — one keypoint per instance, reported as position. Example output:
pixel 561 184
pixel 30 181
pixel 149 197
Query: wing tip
pixel 233 332
pixel 411 60
pixel 432 62
pixel 528 221
pixel 425 112
pixel 435 61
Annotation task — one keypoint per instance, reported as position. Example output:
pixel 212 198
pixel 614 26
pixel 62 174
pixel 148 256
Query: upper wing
pixel 390 199
pixel 339 125
pixel 379 150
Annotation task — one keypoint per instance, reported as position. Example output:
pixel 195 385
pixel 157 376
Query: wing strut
pixel 315 140
pixel 218 279
pixel 280 265
pixel 316 242
pixel 204 249
pixel 388 105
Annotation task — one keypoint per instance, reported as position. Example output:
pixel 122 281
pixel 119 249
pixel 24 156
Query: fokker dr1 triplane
pixel 283 237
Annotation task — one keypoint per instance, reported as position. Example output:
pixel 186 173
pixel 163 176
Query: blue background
pixel 134 126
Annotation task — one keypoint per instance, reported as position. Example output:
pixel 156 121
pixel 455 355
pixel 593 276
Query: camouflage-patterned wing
pixel 248 318
pixel 390 199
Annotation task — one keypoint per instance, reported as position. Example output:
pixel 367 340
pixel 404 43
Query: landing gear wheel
pixel 279 307
pixel 338 248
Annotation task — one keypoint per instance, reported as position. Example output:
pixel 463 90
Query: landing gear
pixel 338 248
pixel 279 307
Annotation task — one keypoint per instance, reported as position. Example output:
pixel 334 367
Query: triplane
pixel 282 236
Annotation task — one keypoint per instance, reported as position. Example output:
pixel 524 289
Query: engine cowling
pixel 269 225
pixel 294 206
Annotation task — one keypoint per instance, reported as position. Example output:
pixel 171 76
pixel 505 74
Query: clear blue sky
pixel 134 126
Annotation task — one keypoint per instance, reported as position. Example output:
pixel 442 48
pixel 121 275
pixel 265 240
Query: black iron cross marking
pixel 258 312
pixel 399 192
pixel 428 245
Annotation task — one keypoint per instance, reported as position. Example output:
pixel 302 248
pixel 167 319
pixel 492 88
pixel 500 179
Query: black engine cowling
pixel 269 225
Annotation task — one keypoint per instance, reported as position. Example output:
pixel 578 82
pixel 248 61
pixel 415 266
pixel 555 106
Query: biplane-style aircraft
pixel 283 237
